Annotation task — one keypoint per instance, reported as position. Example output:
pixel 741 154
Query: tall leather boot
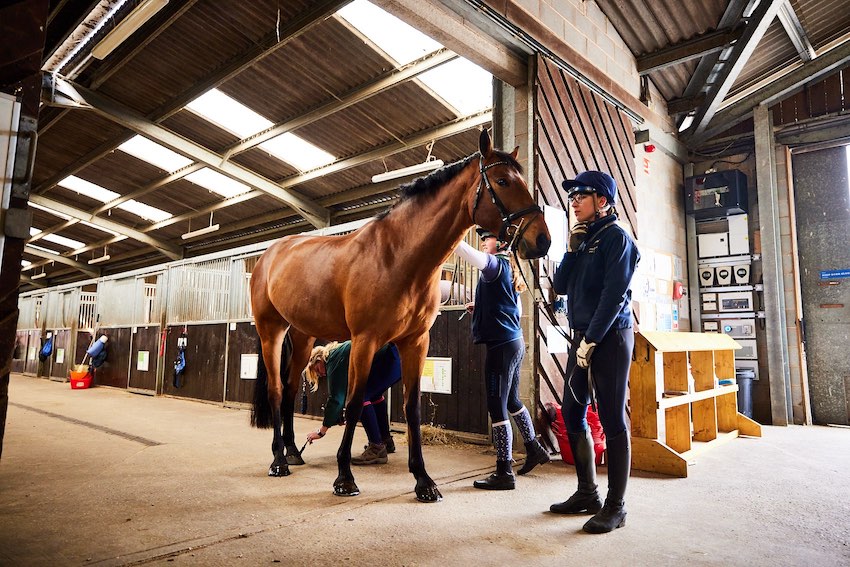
pixel 613 513
pixel 586 499
pixel 502 479
pixel 535 455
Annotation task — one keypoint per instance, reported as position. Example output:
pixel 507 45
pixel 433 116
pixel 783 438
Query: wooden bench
pixel 693 418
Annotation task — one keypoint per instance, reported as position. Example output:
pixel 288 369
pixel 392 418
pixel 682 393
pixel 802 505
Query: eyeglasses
pixel 577 197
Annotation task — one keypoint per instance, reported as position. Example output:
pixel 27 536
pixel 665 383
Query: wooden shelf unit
pixel 662 400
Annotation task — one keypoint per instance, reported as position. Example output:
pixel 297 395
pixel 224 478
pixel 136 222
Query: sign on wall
pixel 143 360
pixel 248 366
pixel 437 375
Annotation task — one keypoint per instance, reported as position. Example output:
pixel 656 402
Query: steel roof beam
pixel 757 25
pixel 126 117
pixel 693 48
pixel 173 252
pixel 822 66
pixel 62 260
pixel 789 20
pixel 359 94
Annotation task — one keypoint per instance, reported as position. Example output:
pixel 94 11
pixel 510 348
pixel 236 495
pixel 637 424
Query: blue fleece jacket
pixel 596 280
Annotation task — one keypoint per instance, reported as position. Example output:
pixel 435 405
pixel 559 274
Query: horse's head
pixel 502 204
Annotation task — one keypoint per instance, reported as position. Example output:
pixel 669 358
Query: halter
pixel 507 217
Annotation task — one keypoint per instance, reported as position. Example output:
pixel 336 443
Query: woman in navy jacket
pixel 595 275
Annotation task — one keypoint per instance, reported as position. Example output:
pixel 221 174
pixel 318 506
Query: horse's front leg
pixel 362 353
pixel 412 362
pixel 300 353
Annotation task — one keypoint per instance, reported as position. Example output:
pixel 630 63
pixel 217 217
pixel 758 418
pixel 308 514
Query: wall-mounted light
pixel 134 20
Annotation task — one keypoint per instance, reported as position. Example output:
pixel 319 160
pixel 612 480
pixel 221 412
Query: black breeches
pixel 501 375
pixel 609 366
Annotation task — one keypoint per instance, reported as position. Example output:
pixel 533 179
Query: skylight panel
pixel 153 153
pixel 218 183
pixel 461 83
pixel 56 239
pixel 228 113
pixel 397 39
pixel 297 151
pixel 104 195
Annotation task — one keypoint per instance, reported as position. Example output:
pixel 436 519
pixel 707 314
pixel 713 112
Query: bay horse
pixel 376 285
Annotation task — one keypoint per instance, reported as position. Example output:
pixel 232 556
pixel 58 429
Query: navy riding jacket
pixel 596 280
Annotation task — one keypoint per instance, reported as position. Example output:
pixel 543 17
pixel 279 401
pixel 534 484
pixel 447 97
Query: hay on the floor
pixel 435 435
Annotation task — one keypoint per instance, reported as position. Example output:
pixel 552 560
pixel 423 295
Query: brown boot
pixel 375 454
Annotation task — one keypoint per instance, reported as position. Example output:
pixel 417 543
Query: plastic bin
pixel 80 380
pixel 745 391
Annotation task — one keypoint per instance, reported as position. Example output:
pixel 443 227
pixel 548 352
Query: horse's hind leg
pixel 413 353
pixel 301 346
pixel 272 330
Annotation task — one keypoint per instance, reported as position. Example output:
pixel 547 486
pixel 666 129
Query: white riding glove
pixel 584 352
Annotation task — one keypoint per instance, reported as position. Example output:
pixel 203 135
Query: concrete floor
pixel 104 477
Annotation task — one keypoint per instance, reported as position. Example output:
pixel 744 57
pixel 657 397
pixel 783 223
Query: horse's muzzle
pixel 539 249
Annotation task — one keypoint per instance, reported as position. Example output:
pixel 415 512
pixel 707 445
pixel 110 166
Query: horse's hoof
pixel 279 470
pixel 294 459
pixel 346 488
pixel 428 494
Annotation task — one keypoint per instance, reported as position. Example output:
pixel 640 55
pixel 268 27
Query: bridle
pixel 507 216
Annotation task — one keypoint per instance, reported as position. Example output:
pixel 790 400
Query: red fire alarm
pixel 649 148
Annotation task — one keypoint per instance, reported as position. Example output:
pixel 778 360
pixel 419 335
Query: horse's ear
pixel 484 144
pixel 515 153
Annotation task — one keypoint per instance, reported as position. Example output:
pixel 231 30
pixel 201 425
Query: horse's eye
pixel 502 181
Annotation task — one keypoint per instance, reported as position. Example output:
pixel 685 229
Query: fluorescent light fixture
pixel 38 276
pixel 154 154
pixel 400 41
pixel 43 249
pixel 410 170
pixel 686 123
pixel 98 193
pixel 126 27
pixel 51 211
pixel 25 264
pixel 200 231
pixel 99 259
pixel 217 182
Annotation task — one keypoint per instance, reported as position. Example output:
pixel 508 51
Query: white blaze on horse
pixel 377 285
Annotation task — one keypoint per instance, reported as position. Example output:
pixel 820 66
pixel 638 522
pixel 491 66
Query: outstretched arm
pixel 487 263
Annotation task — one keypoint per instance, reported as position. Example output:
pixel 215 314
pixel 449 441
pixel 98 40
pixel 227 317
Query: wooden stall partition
pixel 242 351
pixel 19 355
pixel 203 378
pixel 31 364
pixel 675 381
pixel 62 352
pixel 144 359
pixel 114 371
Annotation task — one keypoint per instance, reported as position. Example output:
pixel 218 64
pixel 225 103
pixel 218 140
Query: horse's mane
pixel 428 185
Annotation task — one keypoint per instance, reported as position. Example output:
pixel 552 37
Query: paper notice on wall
pixel 248 366
pixel 143 360
pixel 663 266
pixel 663 317
pixel 60 356
pixel 31 354
pixel 556 222
pixel 675 318
pixel 437 375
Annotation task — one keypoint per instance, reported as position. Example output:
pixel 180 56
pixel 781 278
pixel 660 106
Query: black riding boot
pixel 586 499
pixel 502 479
pixel 613 513
pixel 535 455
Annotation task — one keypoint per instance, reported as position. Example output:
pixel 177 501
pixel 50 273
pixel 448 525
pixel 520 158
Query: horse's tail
pixel 261 411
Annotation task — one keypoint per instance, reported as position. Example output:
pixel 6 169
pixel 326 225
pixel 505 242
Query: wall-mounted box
pixel 735 301
pixel 739 328
pixel 724 275
pixel 742 274
pixel 713 244
pixel 748 349
pixel 739 234
pixel 709 302
pixel 706 276
pixel 717 194
pixel 710 326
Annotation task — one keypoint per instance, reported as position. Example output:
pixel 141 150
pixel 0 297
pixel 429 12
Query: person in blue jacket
pixel 595 275
pixel 331 362
pixel 495 323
